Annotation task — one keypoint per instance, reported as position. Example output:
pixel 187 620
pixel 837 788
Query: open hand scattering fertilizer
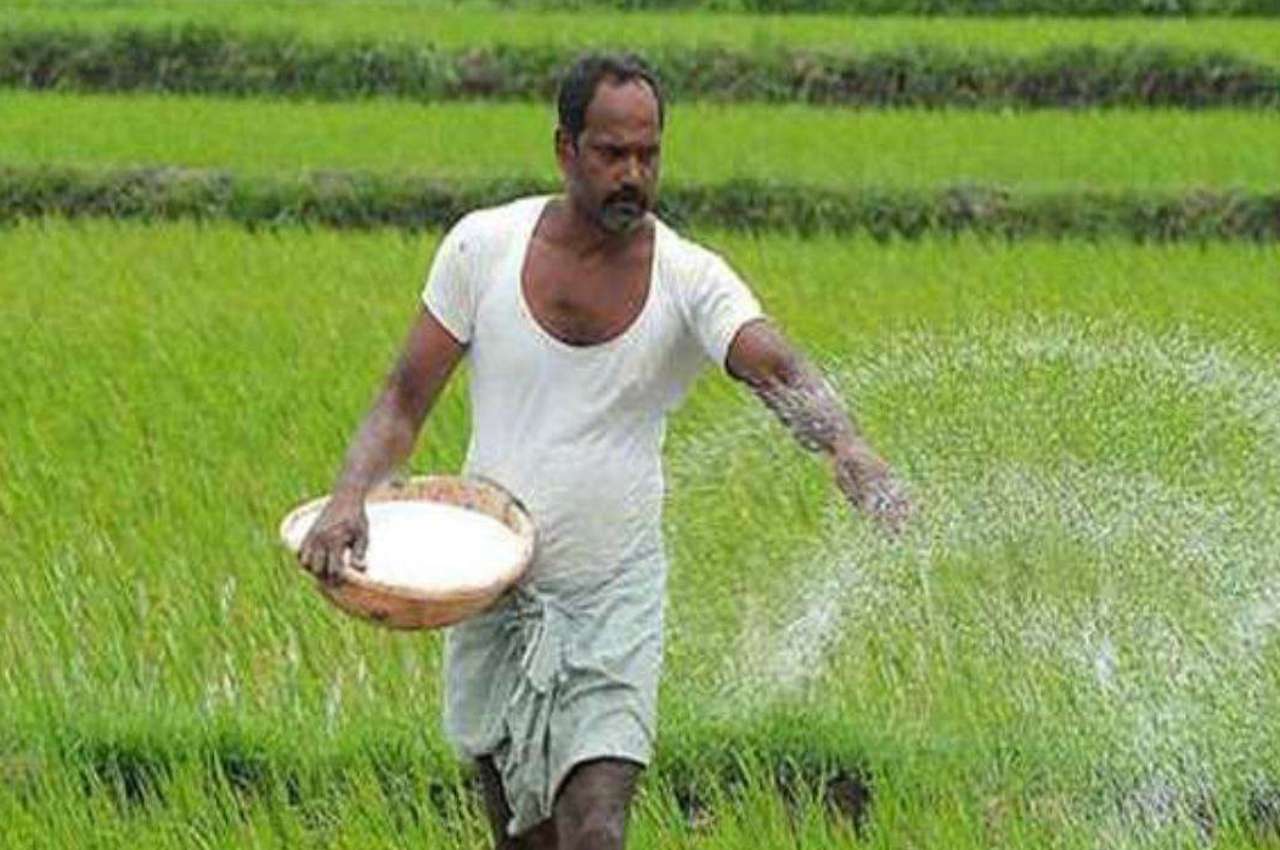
pixel 431 547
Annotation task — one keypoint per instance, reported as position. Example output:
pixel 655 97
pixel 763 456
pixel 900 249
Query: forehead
pixel 627 109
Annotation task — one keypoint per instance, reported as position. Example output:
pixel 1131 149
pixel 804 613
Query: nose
pixel 633 169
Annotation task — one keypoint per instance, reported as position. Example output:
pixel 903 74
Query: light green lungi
pixel 557 674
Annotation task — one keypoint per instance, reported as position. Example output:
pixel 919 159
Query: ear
pixel 566 150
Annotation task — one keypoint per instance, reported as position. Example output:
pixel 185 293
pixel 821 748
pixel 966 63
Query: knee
pixel 595 831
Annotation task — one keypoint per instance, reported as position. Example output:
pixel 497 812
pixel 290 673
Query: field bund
pixel 199 60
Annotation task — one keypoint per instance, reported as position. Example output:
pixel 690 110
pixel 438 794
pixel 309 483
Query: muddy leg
pixel 592 805
pixel 539 837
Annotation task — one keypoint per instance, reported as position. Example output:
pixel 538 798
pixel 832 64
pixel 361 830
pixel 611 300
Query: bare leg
pixel 592 805
pixel 540 837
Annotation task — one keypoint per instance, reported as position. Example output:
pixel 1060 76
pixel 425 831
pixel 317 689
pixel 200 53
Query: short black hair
pixel 579 84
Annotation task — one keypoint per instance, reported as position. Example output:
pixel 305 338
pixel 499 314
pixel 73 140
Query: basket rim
pixel 388 492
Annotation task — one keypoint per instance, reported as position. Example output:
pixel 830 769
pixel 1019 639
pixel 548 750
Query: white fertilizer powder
pixel 431 546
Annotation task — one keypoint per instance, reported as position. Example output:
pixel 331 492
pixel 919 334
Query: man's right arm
pixel 384 440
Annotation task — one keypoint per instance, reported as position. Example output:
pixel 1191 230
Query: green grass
pixel 704 144
pixel 451 26
pixel 1081 622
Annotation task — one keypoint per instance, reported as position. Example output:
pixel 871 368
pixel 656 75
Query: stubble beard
pixel 617 214
pixel 623 216
pixel 621 219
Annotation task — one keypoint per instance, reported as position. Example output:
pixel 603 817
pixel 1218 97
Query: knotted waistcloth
pixel 541 624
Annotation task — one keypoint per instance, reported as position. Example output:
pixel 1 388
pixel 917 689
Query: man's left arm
pixel 762 358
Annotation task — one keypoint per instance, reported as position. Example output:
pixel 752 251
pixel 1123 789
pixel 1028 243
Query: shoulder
pixel 693 270
pixel 684 262
pixel 483 230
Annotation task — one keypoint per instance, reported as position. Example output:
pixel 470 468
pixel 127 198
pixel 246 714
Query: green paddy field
pixel 1089 429
pixel 1076 644
pixel 706 144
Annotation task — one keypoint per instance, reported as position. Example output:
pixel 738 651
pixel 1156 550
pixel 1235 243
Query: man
pixel 584 319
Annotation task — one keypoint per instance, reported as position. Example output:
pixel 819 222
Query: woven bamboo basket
pixel 399 607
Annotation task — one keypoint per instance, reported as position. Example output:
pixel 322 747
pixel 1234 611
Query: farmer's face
pixel 611 174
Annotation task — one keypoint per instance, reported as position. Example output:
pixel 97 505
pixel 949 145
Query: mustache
pixel 626 196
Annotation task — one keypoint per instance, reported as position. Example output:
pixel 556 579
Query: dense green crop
pixel 1077 637
pixel 704 144
pixel 1076 643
